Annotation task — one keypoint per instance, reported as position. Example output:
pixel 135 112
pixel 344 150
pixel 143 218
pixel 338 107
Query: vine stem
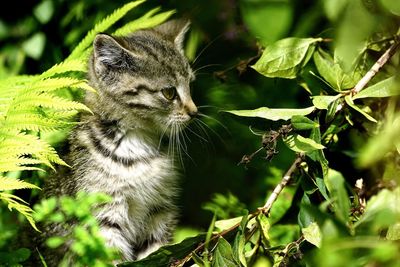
pixel 376 67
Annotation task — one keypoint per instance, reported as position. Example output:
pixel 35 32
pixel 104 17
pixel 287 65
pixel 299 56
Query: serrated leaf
pixel 102 26
pixel 385 88
pixel 301 144
pixel 302 123
pixel 323 101
pixel 318 155
pixel 146 21
pixel 223 255
pixel 284 58
pixel 273 114
pixel 336 186
pixel 312 234
pixel 7 183
pixel 350 102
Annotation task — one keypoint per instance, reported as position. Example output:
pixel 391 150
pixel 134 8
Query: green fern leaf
pixel 33 122
pixel 7 183
pixel 32 99
pixel 14 202
pixel 146 21
pixel 66 66
pixel 102 26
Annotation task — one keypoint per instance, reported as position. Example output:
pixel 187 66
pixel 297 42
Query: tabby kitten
pixel 142 83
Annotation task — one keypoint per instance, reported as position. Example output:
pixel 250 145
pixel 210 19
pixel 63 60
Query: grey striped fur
pixel 117 149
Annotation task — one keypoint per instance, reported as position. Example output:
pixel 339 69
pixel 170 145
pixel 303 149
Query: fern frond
pixel 144 22
pixel 14 202
pixel 33 99
pixel 33 122
pixel 15 146
pixel 7 183
pixel 101 27
pixel 65 66
pixel 52 84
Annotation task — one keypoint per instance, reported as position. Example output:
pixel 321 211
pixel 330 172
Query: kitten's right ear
pixel 109 53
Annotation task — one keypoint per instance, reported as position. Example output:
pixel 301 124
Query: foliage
pixel 308 97
pixel 86 244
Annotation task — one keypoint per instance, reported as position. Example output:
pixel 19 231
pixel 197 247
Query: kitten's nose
pixel 191 109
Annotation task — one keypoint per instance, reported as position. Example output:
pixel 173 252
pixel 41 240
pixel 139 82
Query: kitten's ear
pixel 175 31
pixel 109 52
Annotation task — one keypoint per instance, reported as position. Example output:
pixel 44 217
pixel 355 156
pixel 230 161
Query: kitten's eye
pixel 169 93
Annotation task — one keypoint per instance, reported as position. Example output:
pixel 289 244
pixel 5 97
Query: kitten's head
pixel 143 79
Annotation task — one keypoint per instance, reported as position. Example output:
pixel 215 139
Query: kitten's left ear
pixel 174 30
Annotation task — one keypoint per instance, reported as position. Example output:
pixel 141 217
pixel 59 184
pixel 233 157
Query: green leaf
pixel 226 224
pixel 319 155
pixel 332 72
pixel 312 234
pixel 7 183
pixel 303 123
pixel 54 241
pixel 392 5
pixel 323 101
pixel 334 8
pixel 239 248
pixel 385 88
pixel 223 255
pixel 273 114
pixel 381 211
pixel 336 185
pixel 44 11
pixel 350 102
pixel 268 21
pixel 165 255
pixel 300 144
pixel 284 58
pixel 146 21
pixel 102 26
pixel 34 46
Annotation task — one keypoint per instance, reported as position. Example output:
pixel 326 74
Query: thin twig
pixel 285 180
pixel 375 68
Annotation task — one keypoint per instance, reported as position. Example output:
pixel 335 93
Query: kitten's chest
pixel 135 169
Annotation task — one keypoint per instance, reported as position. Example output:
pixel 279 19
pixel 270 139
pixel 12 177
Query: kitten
pixel 143 93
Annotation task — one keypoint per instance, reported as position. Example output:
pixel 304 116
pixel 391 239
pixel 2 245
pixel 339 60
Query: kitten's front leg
pixel 161 226
pixel 113 235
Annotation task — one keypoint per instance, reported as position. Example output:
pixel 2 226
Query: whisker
pixel 214 119
pixel 212 130
pixel 206 66
pixel 196 134
pixel 205 48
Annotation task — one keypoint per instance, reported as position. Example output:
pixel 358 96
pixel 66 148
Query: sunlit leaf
pixel 273 114
pixel 336 186
pixel 385 88
pixel 323 101
pixel 332 72
pixel 312 234
pixel 223 255
pixel 299 143
pixel 302 123
pixel 350 102
pixel 284 58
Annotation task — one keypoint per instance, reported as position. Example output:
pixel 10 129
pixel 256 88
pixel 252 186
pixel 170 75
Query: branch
pixel 375 68
pixel 285 180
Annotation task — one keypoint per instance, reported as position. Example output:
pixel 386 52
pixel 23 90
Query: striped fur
pixel 117 150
